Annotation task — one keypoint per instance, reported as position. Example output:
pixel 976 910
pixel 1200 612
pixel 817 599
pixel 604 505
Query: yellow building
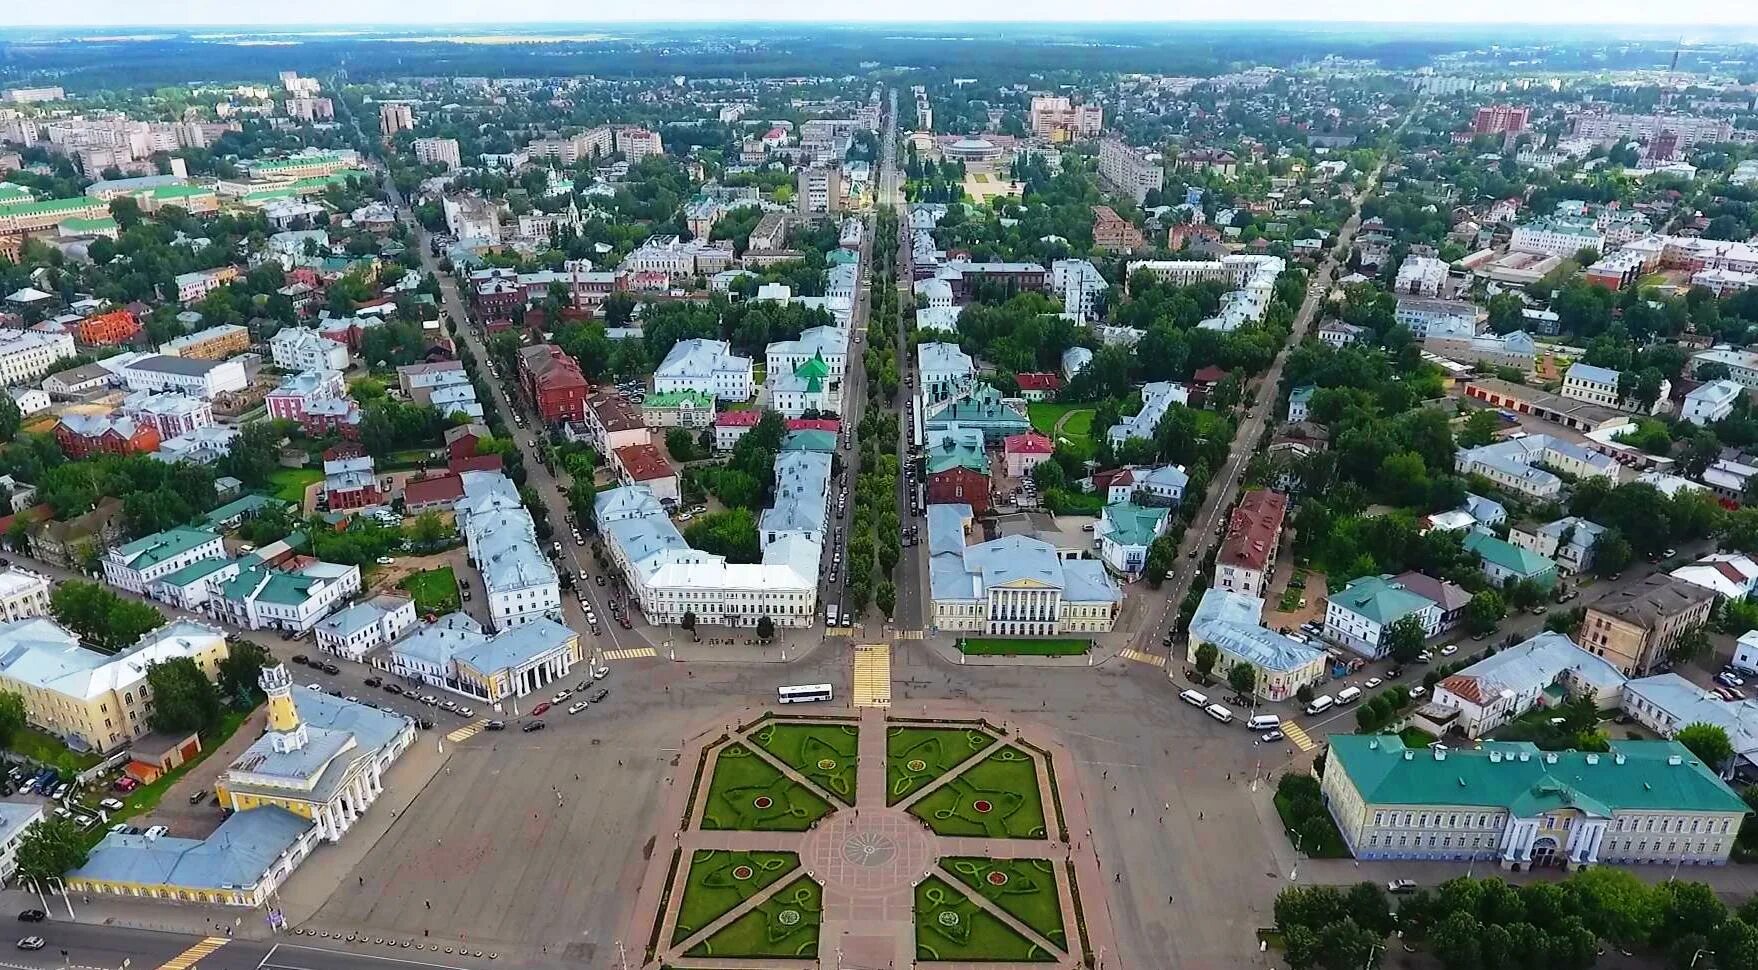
pixel 313 773
pixel 321 758
pixel 91 700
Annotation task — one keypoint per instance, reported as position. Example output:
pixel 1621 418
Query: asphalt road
pixel 538 478
pixel 96 945
pixel 1210 522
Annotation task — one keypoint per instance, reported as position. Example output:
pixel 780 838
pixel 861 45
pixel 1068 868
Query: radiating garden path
pixel 868 858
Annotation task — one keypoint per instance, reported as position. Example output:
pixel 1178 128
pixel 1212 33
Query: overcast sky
pixel 333 12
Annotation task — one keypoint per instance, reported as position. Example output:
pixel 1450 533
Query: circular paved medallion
pixel 883 851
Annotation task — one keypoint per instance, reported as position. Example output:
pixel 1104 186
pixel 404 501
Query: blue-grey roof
pixel 1589 372
pixel 516 646
pixel 940 358
pixel 435 643
pixel 1686 703
pixel 802 487
pixel 1231 621
pixel 966 574
pixel 946 528
pixel 1538 662
pixel 236 856
pixel 15 816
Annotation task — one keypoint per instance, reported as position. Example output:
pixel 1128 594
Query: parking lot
pixel 368 686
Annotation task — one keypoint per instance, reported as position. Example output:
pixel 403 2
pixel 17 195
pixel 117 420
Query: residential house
pixel 1636 628
pixel 1359 614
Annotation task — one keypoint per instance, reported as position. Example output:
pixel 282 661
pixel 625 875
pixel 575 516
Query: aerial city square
pixel 741 488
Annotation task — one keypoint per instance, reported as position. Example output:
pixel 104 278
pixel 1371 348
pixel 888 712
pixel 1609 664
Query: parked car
pixel 156 831
pixel 332 669
pixel 31 943
pixel 600 694
pixel 110 805
pixel 1401 886
pixel 532 726
pixel 1373 682
pixel 495 726
pixel 1449 650
pixel 1274 735
pixel 196 796
pixel 372 682
pixel 299 659
pixel 576 707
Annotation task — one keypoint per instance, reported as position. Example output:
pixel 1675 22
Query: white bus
pixel 803 693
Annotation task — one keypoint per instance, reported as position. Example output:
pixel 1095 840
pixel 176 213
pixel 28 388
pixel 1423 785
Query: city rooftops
pixel 238 855
pixel 1517 776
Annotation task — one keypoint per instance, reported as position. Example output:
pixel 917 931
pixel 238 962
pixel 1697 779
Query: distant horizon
pixel 328 15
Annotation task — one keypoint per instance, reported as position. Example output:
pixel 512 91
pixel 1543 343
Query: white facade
pixel 1080 285
pixel 520 582
pixel 202 378
pixel 26 355
pixel 1595 385
pixel 359 629
pixel 138 564
pixel 1710 402
pixel 23 594
pixel 708 366
pixel 1421 276
pixel 429 151
pixel 297 349
pixel 1562 239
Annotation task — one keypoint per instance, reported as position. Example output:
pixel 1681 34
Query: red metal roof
pixel 738 419
pixel 643 463
pixel 1252 531
pixel 1030 443
pixel 1038 382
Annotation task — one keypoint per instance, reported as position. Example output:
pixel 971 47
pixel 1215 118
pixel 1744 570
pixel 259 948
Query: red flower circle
pixel 763 801
pixel 983 805
pixel 742 873
pixel 996 878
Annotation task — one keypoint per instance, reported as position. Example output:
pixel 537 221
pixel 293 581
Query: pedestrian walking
pixel 1199 816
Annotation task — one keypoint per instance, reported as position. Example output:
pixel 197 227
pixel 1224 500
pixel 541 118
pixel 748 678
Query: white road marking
pixel 349 954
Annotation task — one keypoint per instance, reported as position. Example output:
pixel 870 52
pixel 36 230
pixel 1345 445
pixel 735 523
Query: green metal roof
pixel 296 161
pixel 1522 562
pixel 1380 600
pixel 21 207
pixel 1388 773
pixel 151 550
pixel 101 224
pixel 951 450
pixel 823 442
pixel 243 506
pixel 194 571
pixel 672 399
pixel 1132 524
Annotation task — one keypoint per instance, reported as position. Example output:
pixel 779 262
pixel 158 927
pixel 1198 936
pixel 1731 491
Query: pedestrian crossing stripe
pixel 1143 658
pixel 1296 734
pixel 839 631
pixel 909 634
pixel 630 653
pixel 188 958
pixel 872 675
pixel 468 731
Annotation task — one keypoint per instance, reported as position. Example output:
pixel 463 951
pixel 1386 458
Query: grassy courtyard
pixel 996 798
pixel 1078 429
pixel 435 590
pixel 915 756
pixel 824 753
pixel 1001 647
pixel 1024 889
pixel 949 926
pixel 289 484
pixel 748 794
pixel 785 926
pixel 719 881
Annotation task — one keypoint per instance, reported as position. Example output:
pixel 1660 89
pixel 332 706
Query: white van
pixel 1349 695
pixel 1219 713
pixel 1194 699
pixel 1264 722
pixel 1320 704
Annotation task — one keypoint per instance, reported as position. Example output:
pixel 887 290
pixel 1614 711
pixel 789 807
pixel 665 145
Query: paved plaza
pixel 544 845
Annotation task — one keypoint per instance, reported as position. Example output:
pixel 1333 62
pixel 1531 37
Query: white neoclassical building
pixel 1014 586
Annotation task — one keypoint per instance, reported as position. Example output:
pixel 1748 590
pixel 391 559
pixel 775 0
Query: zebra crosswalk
pixel 190 957
pixel 630 653
pixel 909 634
pixel 839 631
pixel 872 677
pixel 468 731
pixel 1296 734
pixel 1143 658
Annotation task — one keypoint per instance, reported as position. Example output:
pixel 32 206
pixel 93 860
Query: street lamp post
pixel 65 897
pixel 1368 963
pixel 1699 955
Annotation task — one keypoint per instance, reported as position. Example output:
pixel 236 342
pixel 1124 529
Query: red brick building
pixel 960 485
pixel 555 383
pixel 1113 233
pixel 83 435
pixel 1497 119
pixel 107 329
